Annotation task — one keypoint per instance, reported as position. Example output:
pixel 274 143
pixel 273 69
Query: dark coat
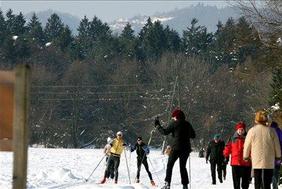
pixel 141 150
pixel 181 131
pixel 215 151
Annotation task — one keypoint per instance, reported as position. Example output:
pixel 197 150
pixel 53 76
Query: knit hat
pixel 240 125
pixel 261 117
pixel 178 114
pixel 109 140
pixel 119 133
pixel 217 137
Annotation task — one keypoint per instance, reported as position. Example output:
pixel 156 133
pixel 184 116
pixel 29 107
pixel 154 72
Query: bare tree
pixel 266 17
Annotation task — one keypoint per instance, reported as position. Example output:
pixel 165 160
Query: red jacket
pixel 235 147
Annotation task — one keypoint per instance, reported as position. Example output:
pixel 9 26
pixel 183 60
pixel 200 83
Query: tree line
pixel 87 86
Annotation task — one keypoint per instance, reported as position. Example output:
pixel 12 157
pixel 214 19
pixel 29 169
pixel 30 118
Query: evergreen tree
pixel 196 39
pixel 152 41
pixel 173 40
pixel 3 29
pixel 127 41
pixel 54 27
pixel 82 44
pixel 35 30
pixel 65 38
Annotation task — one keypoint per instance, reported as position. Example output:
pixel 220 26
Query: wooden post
pixel 20 126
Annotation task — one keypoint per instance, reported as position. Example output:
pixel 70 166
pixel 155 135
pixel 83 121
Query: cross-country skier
pixel 182 131
pixel 142 151
pixel 117 147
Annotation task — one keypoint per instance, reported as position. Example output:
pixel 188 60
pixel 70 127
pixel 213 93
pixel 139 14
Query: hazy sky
pixel 105 10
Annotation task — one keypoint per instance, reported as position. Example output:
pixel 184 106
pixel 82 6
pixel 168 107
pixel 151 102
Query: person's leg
pixel 106 173
pixel 224 170
pixel 138 169
pixel 219 171
pixel 258 178
pixel 183 171
pixel 171 160
pixel 267 178
pixel 236 177
pixel 116 165
pixel 246 175
pixel 145 163
pixel 275 178
pixel 213 166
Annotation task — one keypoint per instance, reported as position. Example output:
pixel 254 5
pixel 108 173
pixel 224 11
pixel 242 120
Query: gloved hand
pixel 207 161
pixel 157 122
pixel 225 160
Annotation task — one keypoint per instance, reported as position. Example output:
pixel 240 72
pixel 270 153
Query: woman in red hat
pixel 241 170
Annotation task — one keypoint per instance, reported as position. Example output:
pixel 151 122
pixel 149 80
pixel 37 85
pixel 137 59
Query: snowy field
pixel 69 168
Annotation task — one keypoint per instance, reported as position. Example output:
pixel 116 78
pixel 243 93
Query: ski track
pixel 69 168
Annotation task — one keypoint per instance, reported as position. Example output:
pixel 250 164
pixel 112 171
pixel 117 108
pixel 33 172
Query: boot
pixel 153 183
pixel 185 186
pixel 137 181
pixel 115 181
pixel 166 186
pixel 103 180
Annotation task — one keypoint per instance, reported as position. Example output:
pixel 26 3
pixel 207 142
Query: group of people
pixel 254 154
pixel 258 151
pixel 180 148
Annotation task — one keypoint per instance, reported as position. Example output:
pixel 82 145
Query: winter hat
pixel 261 117
pixel 109 140
pixel 240 125
pixel 217 137
pixel 119 133
pixel 139 138
pixel 178 114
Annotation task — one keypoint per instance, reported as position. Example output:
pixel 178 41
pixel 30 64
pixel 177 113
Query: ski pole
pixel 154 169
pixel 95 168
pixel 190 172
pixel 127 166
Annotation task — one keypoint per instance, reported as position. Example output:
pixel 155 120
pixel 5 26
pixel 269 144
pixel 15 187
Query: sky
pixel 105 10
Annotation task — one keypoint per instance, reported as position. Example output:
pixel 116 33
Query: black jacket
pixel 141 150
pixel 181 131
pixel 215 151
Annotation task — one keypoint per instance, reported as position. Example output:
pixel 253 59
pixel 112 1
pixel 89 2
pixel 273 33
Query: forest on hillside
pixel 86 87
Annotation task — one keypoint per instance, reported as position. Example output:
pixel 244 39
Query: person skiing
pixel 142 151
pixel 182 131
pixel 117 147
pixel 262 147
pixel 241 170
pixel 215 156
pixel 107 148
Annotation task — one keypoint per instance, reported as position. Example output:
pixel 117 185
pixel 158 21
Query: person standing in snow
pixel 215 156
pixel 276 172
pixel 142 151
pixel 107 152
pixel 117 147
pixel 241 170
pixel 182 131
pixel 263 148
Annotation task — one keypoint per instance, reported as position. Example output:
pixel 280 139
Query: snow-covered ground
pixel 69 168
